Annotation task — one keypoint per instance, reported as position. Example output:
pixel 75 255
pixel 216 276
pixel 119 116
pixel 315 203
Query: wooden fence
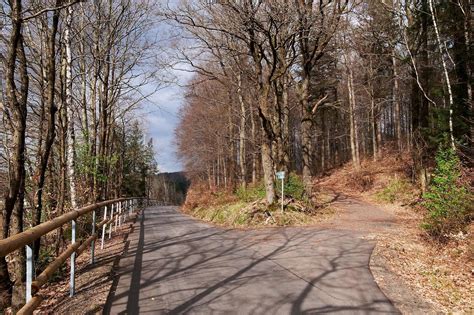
pixel 114 213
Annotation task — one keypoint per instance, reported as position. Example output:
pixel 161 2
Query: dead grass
pixel 372 177
pixel 225 209
pixel 441 273
pixel 199 195
pixel 239 214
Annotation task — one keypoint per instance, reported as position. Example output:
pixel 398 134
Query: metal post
pixel 93 242
pixel 120 212
pixel 111 217
pixel 72 282
pixel 103 228
pixel 282 195
pixel 117 214
pixel 29 272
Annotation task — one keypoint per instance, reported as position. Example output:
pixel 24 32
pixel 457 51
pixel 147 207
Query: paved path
pixel 176 264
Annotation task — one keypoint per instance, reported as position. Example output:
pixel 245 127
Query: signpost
pixel 281 175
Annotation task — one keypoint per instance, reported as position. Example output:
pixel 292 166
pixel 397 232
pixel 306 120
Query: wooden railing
pixel 114 213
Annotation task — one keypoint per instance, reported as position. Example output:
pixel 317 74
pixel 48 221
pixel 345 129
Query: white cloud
pixel 161 115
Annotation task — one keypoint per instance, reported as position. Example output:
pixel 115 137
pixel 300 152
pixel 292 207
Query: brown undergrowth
pixel 249 209
pixel 442 273
pixel 93 282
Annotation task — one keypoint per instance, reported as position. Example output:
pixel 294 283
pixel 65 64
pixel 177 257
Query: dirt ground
pixel 419 276
pixel 93 282
pixel 441 275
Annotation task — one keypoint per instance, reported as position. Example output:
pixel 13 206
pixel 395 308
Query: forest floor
pixel 93 282
pixel 226 209
pixel 437 277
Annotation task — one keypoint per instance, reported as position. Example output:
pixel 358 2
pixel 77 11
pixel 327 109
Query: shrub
pixel 251 193
pixel 398 189
pixel 293 187
pixel 447 200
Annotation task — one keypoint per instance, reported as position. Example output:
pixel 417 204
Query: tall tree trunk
pixel 354 139
pixel 254 144
pixel 51 127
pixel 266 147
pixel 69 110
pixel 445 72
pixel 285 122
pixel 469 64
pixel 242 135
pixel 396 101
pixel 373 125
pixel 306 126
pixel 16 100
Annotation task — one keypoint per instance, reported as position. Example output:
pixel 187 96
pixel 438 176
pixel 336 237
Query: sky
pixel 161 110
pixel 161 117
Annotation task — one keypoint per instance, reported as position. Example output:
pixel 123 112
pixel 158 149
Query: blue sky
pixel 162 108
pixel 161 116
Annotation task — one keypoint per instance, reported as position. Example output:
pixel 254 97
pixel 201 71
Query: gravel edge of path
pixel 93 282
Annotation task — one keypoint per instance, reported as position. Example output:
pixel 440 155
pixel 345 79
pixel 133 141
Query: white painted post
pixel 129 208
pixel 282 195
pixel 29 272
pixel 103 228
pixel 93 242
pixel 120 213
pixel 111 217
pixel 72 282
pixel 116 217
pixel 281 175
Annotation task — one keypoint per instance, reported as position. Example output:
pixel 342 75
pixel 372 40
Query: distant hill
pixel 169 187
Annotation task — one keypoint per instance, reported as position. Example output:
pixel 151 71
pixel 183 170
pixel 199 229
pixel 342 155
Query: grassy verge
pixel 246 207
pixel 245 214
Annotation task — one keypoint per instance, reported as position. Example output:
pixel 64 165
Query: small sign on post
pixel 281 175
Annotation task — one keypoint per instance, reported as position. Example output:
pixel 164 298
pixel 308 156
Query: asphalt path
pixel 175 264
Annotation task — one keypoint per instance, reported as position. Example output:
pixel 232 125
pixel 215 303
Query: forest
pixel 71 132
pixel 308 86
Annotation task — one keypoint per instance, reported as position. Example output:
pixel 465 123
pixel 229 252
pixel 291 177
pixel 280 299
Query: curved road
pixel 176 264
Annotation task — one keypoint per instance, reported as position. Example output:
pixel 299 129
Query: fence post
pixel 116 217
pixel 72 283
pixel 111 219
pixel 103 228
pixel 93 232
pixel 129 208
pixel 29 272
pixel 119 205
pixel 120 213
